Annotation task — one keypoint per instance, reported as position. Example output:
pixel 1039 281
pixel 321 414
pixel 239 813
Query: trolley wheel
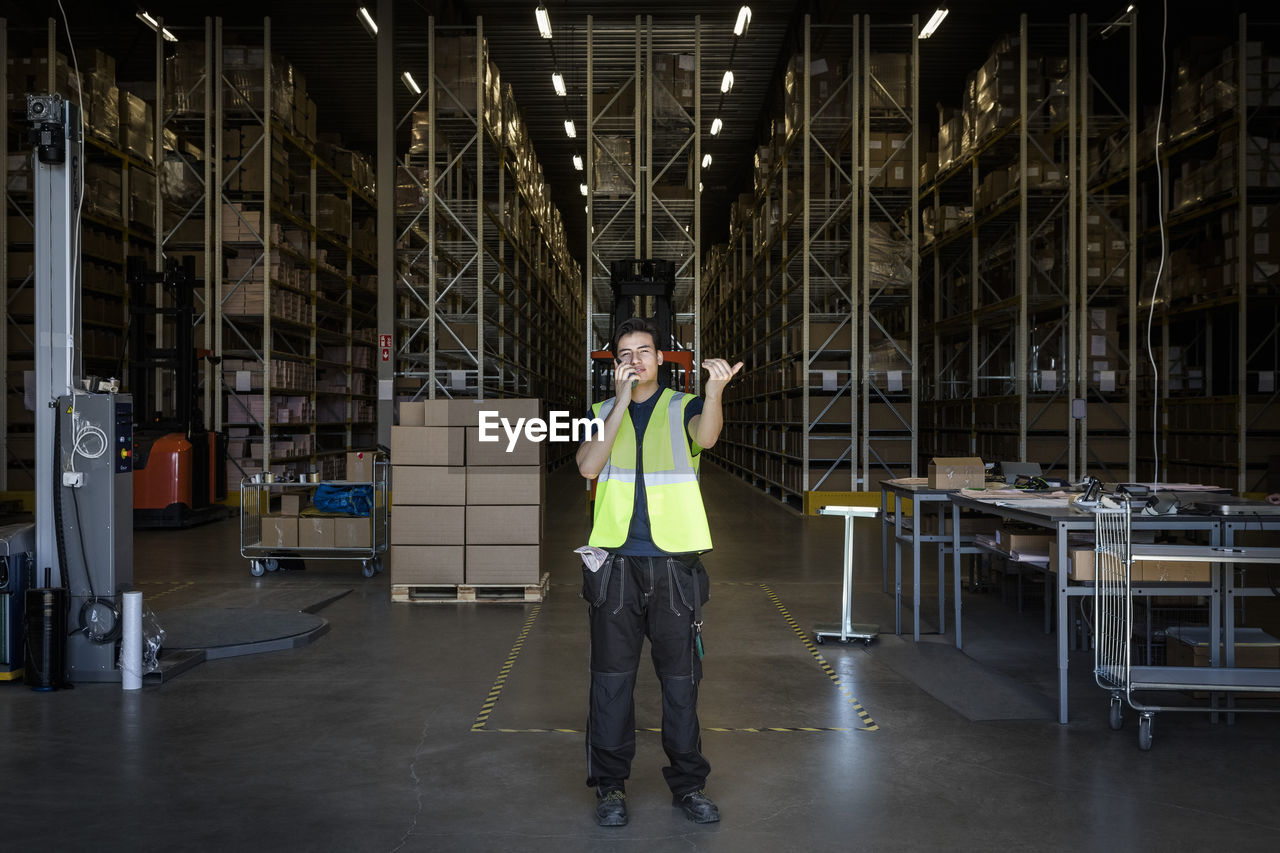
pixel 271 563
pixel 817 638
pixel 867 641
pixel 1144 732
pixel 256 568
pixel 1117 714
pixel 369 569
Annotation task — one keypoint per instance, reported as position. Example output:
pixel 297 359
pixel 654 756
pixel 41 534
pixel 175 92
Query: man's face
pixel 637 349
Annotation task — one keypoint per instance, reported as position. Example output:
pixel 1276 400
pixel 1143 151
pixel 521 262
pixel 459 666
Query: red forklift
pixel 178 465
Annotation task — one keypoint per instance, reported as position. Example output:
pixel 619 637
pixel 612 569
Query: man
pixel 650 519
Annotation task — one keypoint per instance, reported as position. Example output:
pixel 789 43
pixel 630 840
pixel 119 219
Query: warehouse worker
pixel 650 520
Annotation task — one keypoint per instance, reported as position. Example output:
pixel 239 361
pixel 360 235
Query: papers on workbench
pixel 1178 487
pixel 1058 498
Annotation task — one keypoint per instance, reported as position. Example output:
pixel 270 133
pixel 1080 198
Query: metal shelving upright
pixel 643 163
pixel 487 295
pixel 1001 223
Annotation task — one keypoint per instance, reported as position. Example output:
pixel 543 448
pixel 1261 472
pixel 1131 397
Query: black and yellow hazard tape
pixel 501 681
pixel 868 724
pixel 495 692
pixel 719 729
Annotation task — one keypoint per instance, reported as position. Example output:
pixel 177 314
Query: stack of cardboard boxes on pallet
pixel 464 511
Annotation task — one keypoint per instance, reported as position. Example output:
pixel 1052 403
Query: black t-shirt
pixel 639 536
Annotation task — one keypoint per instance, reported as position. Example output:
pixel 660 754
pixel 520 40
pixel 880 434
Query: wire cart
pixel 1114 590
pixel 256 494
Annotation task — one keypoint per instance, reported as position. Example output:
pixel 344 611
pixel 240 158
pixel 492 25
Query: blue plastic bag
pixel 352 500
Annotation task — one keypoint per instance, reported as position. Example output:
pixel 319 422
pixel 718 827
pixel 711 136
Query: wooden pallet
pixel 471 592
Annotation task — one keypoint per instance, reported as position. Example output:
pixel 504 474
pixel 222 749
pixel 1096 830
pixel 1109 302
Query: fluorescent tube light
pixel 577 162
pixel 1110 29
pixel 411 83
pixel 744 21
pixel 544 21
pixel 706 161
pixel 716 126
pixel 569 129
pixel 582 188
pixel 727 82
pixel 936 21
pixel 370 25
pixel 557 80
pixel 146 18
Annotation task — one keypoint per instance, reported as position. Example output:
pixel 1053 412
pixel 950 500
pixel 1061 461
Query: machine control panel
pixel 124 438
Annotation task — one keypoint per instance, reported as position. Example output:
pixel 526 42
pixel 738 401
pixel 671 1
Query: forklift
pixel 178 464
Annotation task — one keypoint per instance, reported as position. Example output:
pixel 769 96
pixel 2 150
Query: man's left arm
pixel 705 427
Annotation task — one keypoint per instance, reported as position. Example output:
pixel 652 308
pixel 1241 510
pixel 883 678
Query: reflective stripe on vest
pixel 677 519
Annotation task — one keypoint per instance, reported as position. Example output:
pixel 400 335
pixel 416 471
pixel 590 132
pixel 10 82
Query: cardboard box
pixel 360 466
pixel 1082 567
pixel 279 531
pixel 412 413
pixel 427 445
pixel 427 564
pixel 352 533
pixel 1025 543
pixel 428 485
pixel 1189 646
pixel 504 525
pixel 498 564
pixel 293 503
pixel 524 452
pixel 315 532
pixel 428 525
pixel 466 413
pixel 956 472
pixel 504 484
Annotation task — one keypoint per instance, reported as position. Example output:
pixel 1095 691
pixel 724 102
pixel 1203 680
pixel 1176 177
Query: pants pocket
pixel 595 585
pixel 691 580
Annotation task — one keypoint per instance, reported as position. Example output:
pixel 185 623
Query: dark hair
pixel 632 325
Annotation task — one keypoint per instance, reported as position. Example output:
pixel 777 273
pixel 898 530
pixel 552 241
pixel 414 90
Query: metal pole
pixel 386 213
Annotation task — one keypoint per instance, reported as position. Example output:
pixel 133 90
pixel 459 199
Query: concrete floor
pixel 363 740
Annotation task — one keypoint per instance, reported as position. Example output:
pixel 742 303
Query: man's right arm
pixel 594 452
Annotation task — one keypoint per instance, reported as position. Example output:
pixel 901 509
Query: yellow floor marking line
pixel 494 692
pixel 868 724
pixel 504 673
pixel 174 586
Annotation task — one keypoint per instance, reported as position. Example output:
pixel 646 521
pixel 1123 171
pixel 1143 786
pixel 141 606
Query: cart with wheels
pixel 1114 668
pixel 368 537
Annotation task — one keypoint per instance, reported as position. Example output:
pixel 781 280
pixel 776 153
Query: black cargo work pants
pixel 632 598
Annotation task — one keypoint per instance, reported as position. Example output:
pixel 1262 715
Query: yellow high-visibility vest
pixel 677 519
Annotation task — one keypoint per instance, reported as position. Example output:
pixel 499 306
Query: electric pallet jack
pixel 178 464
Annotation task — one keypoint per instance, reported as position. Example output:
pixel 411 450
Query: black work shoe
pixel 697 807
pixel 611 808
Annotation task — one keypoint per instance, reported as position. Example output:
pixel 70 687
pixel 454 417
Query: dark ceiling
pixel 325 41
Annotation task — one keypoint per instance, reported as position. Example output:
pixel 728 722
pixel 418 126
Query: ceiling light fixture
pixel 569 129
pixel 744 21
pixel 544 21
pixel 1110 29
pixel 146 18
pixel 370 25
pixel 936 21
pixel 577 162
pixel 410 83
pixel 582 188
pixel 557 80
pixel 716 126
pixel 706 161
pixel 727 83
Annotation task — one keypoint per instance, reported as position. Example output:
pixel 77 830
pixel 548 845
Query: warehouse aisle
pixel 458 728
